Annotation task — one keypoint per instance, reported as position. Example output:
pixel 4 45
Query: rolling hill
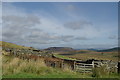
pixel 59 49
pixel 11 45
pixel 110 50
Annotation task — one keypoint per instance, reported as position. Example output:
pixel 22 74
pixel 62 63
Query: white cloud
pixel 26 28
pixel 43 28
pixel 77 25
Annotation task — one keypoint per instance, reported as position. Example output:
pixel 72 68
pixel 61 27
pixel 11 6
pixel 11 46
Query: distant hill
pixel 57 49
pixel 92 49
pixel 60 49
pixel 110 50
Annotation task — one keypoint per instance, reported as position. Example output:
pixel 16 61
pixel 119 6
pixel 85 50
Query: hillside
pixel 108 54
pixel 21 65
pixel 76 52
pixel 110 50
pixel 59 49
pixel 16 67
pixel 14 48
pixel 11 45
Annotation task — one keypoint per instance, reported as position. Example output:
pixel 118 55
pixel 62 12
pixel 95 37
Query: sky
pixel 80 25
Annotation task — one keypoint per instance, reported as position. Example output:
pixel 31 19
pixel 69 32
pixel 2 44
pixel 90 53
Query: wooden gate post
pixel 119 67
pixel 93 63
pixel 62 64
pixel 74 65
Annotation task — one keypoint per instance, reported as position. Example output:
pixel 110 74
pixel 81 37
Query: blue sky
pixel 67 24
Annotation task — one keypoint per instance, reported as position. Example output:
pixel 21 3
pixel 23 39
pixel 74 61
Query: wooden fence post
pixel 74 65
pixel 93 63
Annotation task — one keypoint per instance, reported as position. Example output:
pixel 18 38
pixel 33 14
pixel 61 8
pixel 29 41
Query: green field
pixel 63 57
pixel 62 75
pixel 94 55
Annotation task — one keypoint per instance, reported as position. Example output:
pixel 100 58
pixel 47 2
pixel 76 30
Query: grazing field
pixel 94 55
pixel 63 57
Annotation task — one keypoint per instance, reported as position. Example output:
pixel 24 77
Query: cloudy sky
pixel 61 24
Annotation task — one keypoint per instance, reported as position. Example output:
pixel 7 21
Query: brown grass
pixel 17 65
pixel 96 55
pixel 11 45
pixel 12 65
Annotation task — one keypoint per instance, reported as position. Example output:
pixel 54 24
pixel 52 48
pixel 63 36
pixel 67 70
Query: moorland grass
pixel 17 68
pixel 13 67
pixel 11 45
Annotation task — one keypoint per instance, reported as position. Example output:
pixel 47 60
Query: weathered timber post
pixel 62 64
pixel 93 64
pixel 119 67
pixel 55 64
pixel 84 68
pixel 74 65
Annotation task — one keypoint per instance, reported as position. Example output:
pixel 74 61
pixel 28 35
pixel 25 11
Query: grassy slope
pixel 96 55
pixel 110 50
pixel 75 52
pixel 63 57
pixel 11 45
pixel 86 54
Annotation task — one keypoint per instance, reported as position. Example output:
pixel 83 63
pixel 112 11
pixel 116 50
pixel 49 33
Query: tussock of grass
pixel 103 72
pixel 17 65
